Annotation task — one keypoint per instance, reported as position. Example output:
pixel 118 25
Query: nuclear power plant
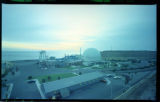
pixel 86 75
pixel 90 56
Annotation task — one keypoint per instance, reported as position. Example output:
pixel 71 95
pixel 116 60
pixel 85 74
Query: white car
pixel 110 75
pixel 106 80
pixel 117 77
pixel 31 81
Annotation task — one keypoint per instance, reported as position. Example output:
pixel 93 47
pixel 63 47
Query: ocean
pixel 28 55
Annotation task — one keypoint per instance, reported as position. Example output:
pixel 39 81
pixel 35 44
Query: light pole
pixel 109 84
pixel 111 90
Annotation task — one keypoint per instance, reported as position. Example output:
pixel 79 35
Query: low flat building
pixel 64 86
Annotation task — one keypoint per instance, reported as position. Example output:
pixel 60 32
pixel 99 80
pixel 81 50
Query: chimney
pixel 80 51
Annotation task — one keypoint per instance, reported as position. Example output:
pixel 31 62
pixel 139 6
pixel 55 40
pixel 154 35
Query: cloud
pixel 71 27
pixel 42 46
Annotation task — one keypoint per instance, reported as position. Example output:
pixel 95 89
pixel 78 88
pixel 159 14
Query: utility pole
pixel 80 51
pixel 81 54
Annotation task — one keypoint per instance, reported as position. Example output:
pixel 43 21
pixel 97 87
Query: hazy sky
pixel 69 27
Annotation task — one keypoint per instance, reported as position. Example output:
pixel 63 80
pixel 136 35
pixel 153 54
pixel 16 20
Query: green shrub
pixel 13 73
pixel 133 60
pixel 127 80
pixel 114 70
pixel 29 77
pixel 43 80
pixel 80 73
pixel 17 69
pixel 49 78
pixel 59 77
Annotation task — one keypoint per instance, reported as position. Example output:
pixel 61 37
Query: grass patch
pixel 70 67
pixel 80 66
pixel 99 67
pixel 54 77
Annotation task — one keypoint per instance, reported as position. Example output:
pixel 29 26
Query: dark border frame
pixel 138 2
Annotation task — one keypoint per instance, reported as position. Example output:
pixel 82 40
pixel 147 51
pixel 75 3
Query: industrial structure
pixel 42 56
pixel 91 56
pixel 64 86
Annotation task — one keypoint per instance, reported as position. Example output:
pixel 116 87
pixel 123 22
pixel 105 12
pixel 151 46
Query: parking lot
pixel 100 90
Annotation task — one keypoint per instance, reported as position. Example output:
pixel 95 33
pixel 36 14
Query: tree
pixel 5 80
pixel 127 79
pixel 43 80
pixel 29 77
pixel 122 69
pixel 133 60
pixel 13 73
pixel 59 77
pixel 125 65
pixel 80 73
pixel 115 65
pixel 17 69
pixel 49 78
pixel 139 61
pixel 6 95
pixel 114 70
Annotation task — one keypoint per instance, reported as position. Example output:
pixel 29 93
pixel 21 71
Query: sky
pixel 71 27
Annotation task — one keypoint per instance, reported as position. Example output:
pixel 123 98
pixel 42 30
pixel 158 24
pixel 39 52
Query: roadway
pixel 137 91
pixel 24 90
pixel 135 70
pixel 101 90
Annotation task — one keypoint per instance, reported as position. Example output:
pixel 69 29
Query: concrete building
pixel 76 62
pixel 65 86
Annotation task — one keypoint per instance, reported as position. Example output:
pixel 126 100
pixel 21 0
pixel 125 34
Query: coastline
pixel 17 61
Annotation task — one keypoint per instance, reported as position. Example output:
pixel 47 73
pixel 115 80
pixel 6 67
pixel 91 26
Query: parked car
pixel 103 80
pixel 31 81
pixel 106 80
pixel 117 77
pixel 110 75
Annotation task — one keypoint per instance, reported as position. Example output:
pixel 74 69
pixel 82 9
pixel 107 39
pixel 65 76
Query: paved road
pixel 98 90
pixel 83 70
pixel 138 92
pixel 136 70
pixel 23 90
pixel 102 91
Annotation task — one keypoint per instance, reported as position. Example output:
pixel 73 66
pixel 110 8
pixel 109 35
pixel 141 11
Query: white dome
pixel 91 54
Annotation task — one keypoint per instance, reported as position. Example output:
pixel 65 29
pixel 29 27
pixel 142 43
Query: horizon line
pixel 62 50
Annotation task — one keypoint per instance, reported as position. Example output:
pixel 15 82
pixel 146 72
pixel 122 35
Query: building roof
pixel 67 82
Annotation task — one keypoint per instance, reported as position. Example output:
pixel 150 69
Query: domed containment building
pixel 91 55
